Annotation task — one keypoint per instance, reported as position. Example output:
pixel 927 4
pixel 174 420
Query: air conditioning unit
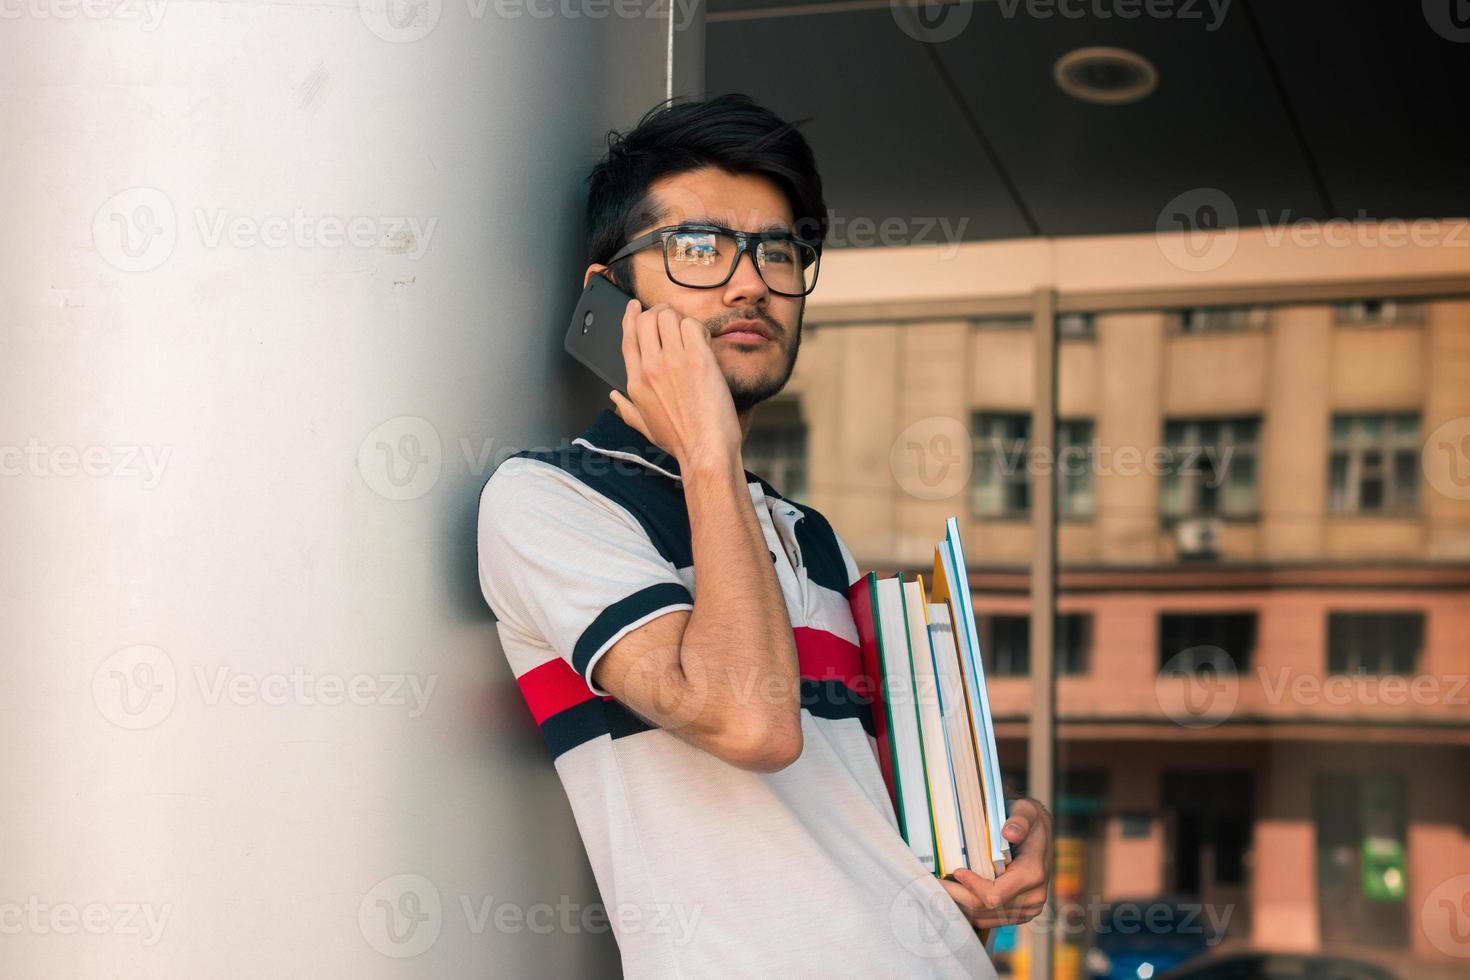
pixel 1199 537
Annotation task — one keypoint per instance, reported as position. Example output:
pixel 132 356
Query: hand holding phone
pixel 595 336
pixel 684 403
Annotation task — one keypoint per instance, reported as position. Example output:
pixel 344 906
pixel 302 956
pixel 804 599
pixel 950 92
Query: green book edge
pixel 887 699
pixel 918 721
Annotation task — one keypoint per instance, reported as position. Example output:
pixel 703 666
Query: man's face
pixel 755 368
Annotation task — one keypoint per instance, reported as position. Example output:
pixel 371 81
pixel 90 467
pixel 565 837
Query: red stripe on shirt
pixel 824 656
pixel 553 687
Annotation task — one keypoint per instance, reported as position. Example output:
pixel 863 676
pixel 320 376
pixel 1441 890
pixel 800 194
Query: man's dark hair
pixel 731 132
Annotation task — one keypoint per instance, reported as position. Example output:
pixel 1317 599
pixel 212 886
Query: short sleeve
pixel 847 560
pixel 558 561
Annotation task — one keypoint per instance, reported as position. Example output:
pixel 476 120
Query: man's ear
pixel 593 270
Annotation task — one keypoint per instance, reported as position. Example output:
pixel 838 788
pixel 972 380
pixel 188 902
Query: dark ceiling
pixel 1293 108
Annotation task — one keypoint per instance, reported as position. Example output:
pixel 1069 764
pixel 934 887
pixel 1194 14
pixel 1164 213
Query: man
pixel 680 630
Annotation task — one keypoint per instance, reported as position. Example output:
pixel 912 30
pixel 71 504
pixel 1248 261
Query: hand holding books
pixel 931 713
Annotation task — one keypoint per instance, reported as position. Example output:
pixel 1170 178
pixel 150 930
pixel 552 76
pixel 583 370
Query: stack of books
pixel 931 714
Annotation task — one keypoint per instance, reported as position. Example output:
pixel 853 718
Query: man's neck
pixel 745 418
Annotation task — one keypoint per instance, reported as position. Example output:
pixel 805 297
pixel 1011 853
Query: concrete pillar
pixel 282 282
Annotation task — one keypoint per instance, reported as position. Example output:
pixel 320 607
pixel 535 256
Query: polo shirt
pixel 705 869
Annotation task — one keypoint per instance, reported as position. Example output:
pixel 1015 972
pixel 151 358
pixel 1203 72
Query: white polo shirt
pixel 705 869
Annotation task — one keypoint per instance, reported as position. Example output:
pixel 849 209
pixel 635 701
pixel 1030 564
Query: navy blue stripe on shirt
pixel 819 550
pixel 620 614
pixel 834 700
pixel 592 719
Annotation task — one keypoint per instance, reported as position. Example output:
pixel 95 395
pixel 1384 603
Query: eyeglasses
pixel 705 256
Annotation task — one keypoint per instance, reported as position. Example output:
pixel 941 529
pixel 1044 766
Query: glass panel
pixel 1200 733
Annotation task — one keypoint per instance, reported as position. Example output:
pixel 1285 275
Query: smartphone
pixel 595 336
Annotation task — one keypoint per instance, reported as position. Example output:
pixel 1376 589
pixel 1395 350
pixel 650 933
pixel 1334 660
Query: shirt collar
pixel 610 435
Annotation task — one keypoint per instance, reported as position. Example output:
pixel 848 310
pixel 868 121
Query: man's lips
pixel 746 331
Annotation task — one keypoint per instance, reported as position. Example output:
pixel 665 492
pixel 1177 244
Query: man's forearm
pixel 738 651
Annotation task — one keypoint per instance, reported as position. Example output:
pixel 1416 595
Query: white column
pixel 279 284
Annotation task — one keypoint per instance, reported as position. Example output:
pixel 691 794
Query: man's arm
pixel 723 676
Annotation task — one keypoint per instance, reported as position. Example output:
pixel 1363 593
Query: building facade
pixel 1263 500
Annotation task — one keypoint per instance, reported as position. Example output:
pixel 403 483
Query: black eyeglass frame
pixel 743 240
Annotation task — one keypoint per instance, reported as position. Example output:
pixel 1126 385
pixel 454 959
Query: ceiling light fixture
pixel 1105 76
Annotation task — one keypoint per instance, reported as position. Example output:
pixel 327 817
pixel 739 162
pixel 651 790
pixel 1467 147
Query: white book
pixel 961 741
pixel 949 841
pixel 898 693
pixel 973 668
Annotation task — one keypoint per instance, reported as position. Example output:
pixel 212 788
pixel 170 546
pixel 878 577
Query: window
pixel 1210 468
pixel 1221 319
pixel 776 447
pixel 1374 463
pixel 1192 642
pixel 1074 468
pixel 1005 644
pixel 1001 484
pixel 1374 643
pixel 1378 312
pixel 1076 326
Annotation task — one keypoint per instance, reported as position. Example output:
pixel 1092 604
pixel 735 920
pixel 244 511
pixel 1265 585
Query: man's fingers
pixel 1016 828
pixel 1004 890
pixel 668 329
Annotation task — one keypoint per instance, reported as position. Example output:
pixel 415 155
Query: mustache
pixel 778 330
